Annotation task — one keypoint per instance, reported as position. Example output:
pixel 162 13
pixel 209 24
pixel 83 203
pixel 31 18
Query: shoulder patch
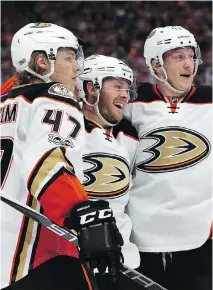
pixel 54 91
pixel 62 91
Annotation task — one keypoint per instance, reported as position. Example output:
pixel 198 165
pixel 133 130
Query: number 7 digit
pixel 6 157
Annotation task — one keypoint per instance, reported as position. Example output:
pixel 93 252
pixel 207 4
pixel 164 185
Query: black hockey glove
pixel 99 238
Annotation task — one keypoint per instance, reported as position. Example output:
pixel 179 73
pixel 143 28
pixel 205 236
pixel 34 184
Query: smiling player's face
pixel 113 98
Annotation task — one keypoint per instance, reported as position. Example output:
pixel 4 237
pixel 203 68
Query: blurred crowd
pixel 113 28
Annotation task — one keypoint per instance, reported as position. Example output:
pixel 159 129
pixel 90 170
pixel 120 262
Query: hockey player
pixel 170 202
pixel 42 137
pixel 111 144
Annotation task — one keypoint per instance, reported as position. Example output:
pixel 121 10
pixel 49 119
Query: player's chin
pixel 118 116
pixel 71 84
pixel 185 84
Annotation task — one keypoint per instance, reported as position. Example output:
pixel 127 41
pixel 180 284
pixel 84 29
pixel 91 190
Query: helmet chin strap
pixel 167 84
pixel 96 109
pixel 45 78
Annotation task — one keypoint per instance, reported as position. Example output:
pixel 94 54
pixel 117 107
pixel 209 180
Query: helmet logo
pixel 40 25
pixel 51 56
pixel 91 57
pixel 22 61
pixel 96 84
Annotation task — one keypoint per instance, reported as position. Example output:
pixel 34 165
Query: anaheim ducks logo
pixel 40 25
pixel 176 148
pixel 105 175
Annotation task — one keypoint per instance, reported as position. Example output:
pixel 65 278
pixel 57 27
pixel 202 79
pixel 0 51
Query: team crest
pixel 105 175
pixel 91 57
pixel 61 90
pixel 40 25
pixel 175 148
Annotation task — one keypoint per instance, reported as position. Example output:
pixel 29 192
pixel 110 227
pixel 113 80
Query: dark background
pixel 113 28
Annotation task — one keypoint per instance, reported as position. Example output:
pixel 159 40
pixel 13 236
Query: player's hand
pixel 99 238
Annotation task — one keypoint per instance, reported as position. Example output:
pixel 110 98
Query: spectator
pixel 114 28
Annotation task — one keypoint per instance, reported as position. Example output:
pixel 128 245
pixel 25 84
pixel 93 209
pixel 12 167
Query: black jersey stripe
pixel 127 128
pixel 36 91
pixel 202 95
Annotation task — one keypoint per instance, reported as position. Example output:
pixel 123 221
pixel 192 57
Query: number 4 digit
pixel 54 118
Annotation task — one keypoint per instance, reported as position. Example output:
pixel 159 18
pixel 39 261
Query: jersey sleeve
pixel 52 156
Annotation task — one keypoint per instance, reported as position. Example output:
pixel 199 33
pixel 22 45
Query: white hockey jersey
pixel 42 136
pixel 108 158
pixel 171 198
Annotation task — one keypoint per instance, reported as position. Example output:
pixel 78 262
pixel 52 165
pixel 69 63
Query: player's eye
pixel 180 57
pixel 70 58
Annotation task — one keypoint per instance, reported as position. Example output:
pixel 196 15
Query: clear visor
pixel 121 84
pixel 77 55
pixel 80 58
pixel 133 90
pixel 198 55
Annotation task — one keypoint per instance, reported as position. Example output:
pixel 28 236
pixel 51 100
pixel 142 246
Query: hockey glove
pixel 99 238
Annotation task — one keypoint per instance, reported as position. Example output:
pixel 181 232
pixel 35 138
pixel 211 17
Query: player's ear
pixel 42 63
pixel 157 69
pixel 90 89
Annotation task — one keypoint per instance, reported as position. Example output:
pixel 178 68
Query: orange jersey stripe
pixel 87 278
pixel 61 196
pixel 7 86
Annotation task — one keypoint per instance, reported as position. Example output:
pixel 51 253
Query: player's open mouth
pixel 185 75
pixel 119 105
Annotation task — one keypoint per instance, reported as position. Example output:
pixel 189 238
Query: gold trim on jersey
pixel 47 167
pixel 27 243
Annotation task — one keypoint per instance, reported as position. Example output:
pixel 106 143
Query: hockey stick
pixel 69 236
